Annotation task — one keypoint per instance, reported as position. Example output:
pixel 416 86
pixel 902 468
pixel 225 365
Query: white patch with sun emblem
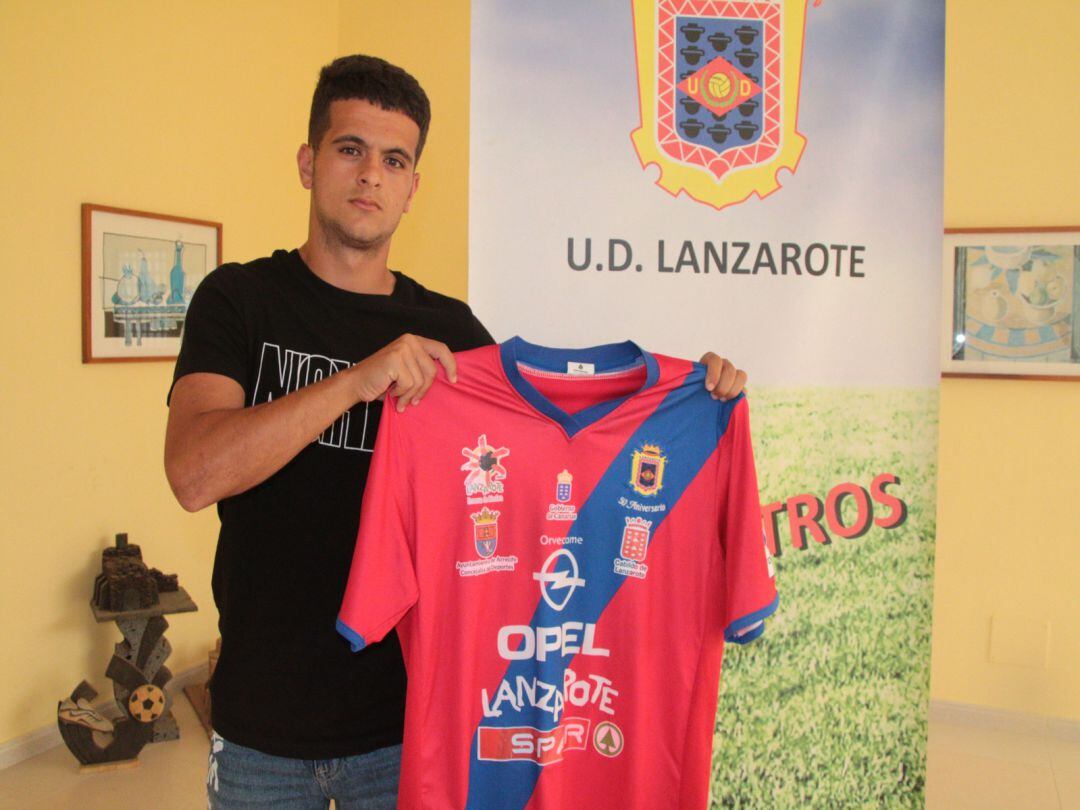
pixel 486 473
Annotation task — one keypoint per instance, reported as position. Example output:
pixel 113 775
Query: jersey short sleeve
pixel 215 335
pixel 382 584
pixel 749 585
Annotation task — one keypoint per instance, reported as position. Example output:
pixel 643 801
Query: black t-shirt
pixel 286 683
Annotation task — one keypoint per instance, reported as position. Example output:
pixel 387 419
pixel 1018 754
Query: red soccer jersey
pixel 564 539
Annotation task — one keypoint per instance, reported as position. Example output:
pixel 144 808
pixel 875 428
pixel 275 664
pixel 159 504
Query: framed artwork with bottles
pixel 139 271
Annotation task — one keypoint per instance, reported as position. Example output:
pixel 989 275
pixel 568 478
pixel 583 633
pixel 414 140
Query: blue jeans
pixel 239 777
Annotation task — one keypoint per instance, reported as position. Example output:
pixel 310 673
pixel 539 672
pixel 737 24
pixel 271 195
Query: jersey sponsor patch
pixel 559 578
pixel 541 746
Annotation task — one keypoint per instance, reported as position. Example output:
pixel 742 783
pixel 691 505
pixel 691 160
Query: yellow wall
pixel 430 39
pixel 195 111
pixel 1008 539
pixel 200 113
pixel 192 109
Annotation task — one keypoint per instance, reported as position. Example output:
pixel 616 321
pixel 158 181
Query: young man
pixel 273 411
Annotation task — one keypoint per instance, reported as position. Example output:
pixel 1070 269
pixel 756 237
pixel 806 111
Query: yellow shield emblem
pixel 718 84
pixel 647 470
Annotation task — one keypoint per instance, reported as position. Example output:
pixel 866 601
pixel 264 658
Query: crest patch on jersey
pixel 564 483
pixel 647 470
pixel 485 531
pixel 634 547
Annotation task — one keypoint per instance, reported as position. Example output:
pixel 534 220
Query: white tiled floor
pixel 968 767
pixel 974 767
pixel 169 776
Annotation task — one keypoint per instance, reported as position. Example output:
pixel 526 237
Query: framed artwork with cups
pixel 1012 303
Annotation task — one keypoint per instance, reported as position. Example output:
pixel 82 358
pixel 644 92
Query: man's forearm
pixel 215 447
pixel 226 451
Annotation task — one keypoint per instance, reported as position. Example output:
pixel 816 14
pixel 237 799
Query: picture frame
pixel 139 271
pixel 1011 303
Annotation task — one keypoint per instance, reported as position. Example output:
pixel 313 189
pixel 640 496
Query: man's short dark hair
pixel 368 78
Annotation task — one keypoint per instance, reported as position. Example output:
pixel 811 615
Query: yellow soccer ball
pixel 719 86
pixel 147 703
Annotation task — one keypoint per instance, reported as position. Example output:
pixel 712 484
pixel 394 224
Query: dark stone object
pixel 125 582
pixel 136 598
pixel 165 582
pixel 124 742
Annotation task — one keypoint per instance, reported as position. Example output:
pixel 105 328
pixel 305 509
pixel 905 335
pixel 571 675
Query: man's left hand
pixel 722 379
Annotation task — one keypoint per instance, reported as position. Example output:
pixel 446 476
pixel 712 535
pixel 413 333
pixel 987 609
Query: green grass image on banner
pixel 829 708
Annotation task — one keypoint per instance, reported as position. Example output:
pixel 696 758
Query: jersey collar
pixel 608 358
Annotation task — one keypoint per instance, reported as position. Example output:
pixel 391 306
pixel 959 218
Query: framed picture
pixel 139 272
pixel 1012 303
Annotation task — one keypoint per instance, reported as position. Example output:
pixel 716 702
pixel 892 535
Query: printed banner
pixel 764 180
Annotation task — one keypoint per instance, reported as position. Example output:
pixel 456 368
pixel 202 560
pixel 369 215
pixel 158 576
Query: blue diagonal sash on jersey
pixel 685 426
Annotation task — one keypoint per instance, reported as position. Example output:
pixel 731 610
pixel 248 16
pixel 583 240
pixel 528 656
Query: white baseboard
pixel 28 745
pixel 987 717
pixel 36 742
pixel 943 711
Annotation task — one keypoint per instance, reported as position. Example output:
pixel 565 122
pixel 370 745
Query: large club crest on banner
pixel 718 84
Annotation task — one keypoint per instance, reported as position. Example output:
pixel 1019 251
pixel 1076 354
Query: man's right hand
pixel 405 369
